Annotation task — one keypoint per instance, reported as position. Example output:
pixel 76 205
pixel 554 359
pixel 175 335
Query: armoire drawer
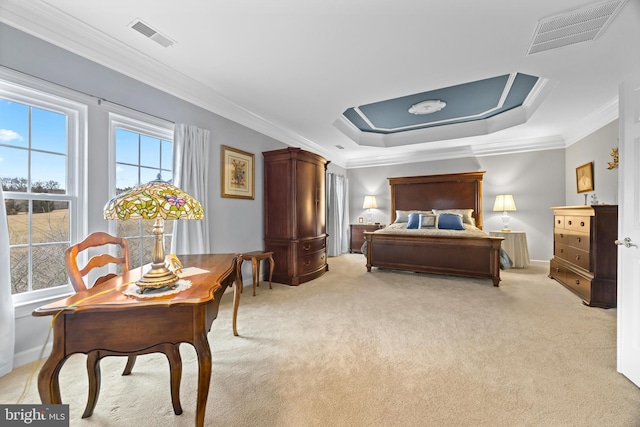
pixel 311 262
pixel 310 246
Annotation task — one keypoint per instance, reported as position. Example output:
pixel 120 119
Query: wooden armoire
pixel 295 214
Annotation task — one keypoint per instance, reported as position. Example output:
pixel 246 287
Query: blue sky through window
pixel 44 131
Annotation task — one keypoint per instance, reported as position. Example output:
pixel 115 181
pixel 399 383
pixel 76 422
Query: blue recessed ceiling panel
pixel 454 105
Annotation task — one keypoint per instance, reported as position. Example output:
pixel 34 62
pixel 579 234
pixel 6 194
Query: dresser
pixel 294 214
pixel 585 257
pixel 356 235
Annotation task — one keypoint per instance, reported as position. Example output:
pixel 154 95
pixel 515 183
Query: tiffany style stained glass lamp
pixel 160 201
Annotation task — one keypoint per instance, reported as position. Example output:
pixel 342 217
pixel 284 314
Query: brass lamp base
pixel 156 278
pixel 506 230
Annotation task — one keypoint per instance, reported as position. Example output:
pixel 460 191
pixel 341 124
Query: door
pixel 629 231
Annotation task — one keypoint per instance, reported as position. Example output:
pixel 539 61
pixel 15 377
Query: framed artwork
pixel 584 177
pixel 237 173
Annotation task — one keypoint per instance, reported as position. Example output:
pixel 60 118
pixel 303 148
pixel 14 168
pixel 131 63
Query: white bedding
pixel 401 228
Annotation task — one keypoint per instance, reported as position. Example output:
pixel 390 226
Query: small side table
pixel 357 235
pixel 515 245
pixel 256 257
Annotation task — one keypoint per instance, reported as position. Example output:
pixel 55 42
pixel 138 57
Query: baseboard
pixel 31 355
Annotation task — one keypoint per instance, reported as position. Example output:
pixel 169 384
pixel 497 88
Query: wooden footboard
pixel 456 256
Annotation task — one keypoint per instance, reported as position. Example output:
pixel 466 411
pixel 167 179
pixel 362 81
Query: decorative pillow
pixel 449 221
pixel 467 217
pixel 403 216
pixel 414 221
pixel 427 220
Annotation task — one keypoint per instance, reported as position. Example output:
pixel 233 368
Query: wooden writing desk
pixel 114 322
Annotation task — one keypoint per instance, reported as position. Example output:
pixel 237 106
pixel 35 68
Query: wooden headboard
pixel 449 191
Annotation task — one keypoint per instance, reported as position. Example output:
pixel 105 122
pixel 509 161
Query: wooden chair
pixel 76 275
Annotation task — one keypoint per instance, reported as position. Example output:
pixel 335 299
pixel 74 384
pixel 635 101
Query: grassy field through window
pixel 50 239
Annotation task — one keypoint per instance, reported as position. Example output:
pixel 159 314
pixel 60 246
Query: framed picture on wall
pixel 237 173
pixel 584 177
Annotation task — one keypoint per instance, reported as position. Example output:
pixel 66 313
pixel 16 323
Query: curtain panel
pixel 191 155
pixel 337 215
pixel 7 314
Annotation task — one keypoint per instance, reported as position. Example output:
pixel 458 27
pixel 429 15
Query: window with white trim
pixel 40 145
pixel 143 151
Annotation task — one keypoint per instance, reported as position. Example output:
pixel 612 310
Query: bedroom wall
pixel 536 180
pixel 237 225
pixel 594 148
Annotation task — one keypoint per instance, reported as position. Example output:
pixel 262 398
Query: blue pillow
pixel 449 221
pixel 414 221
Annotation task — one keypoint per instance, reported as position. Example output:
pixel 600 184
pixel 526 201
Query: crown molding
pixel 493 148
pixel 497 148
pixel 599 118
pixel 45 22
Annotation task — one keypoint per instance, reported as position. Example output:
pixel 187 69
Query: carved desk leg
pixel 203 351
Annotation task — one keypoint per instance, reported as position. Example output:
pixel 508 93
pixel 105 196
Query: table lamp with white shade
pixel 369 203
pixel 504 203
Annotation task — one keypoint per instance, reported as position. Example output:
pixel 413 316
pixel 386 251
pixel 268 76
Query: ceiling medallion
pixel 427 107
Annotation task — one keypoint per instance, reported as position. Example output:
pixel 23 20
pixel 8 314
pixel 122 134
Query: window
pixel 39 172
pixel 143 152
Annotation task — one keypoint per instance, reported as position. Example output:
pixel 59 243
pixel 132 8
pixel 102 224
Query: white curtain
pixel 337 215
pixel 191 159
pixel 7 317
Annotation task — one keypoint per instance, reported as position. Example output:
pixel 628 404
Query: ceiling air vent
pixel 149 32
pixel 573 27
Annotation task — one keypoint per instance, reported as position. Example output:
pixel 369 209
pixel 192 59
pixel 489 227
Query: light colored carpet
pixel 381 349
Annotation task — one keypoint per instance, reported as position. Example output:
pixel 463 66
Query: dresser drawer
pixel 310 246
pixel 580 284
pixel 578 257
pixel 578 223
pixel 573 255
pixel 311 262
pixel 557 271
pixel 570 238
pixel 560 236
pixel 580 241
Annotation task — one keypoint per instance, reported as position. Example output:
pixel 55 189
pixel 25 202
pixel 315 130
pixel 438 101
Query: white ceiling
pixel 289 68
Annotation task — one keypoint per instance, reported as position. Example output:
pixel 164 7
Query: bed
pixel 464 254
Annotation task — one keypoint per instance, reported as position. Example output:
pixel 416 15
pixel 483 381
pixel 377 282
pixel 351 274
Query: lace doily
pixel 132 290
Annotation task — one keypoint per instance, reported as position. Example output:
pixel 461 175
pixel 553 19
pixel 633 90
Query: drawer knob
pixel 570 222
pixel 578 239
pixel 577 257
pixel 557 270
pixel 581 223
pixel 577 281
pixel 562 235
pixel 307 264
pixel 561 251
pixel 306 247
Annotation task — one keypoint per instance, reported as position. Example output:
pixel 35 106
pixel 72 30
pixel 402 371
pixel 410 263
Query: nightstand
pixel 515 245
pixel 357 235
